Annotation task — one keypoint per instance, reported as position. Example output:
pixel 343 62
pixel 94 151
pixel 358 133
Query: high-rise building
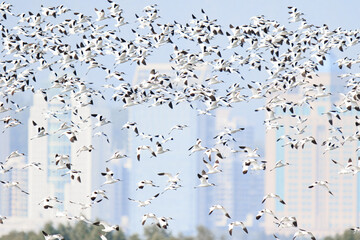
pixel 181 204
pixel 239 193
pixel 52 181
pixel 315 209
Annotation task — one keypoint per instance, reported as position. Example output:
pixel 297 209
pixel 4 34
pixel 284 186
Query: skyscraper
pixel 181 204
pixel 240 194
pixel 315 209
pixel 52 181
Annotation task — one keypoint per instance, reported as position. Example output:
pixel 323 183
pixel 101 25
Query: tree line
pixel 81 231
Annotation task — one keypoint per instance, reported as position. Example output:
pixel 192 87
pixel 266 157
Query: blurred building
pixel 239 193
pixel 13 203
pixel 182 204
pixel 315 209
pixel 51 181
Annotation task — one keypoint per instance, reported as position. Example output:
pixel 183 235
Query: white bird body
pixel 234 224
pixel 172 179
pixel 302 233
pixel 142 184
pixel 273 195
pixel 280 164
pixel 107 228
pixel 265 210
pixel 212 169
pixel 197 147
pixel 53 236
pixel 219 207
pixel 146 202
pixel 8 184
pixel 324 184
pixel 117 155
pixel 109 177
pixel 203 177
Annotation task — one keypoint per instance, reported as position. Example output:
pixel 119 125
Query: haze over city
pixel 240 117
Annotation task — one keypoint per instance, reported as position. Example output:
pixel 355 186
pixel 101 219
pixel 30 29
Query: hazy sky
pixel 236 12
pixel 334 13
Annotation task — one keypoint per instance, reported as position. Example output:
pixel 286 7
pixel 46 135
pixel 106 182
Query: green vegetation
pixel 347 235
pixel 81 231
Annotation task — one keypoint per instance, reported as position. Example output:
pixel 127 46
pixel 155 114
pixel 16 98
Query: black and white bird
pixel 52 236
pixel 263 211
pixel 219 207
pixel 74 174
pixel 237 223
pixel 324 184
pixel 117 155
pixel 203 177
pixel 40 133
pixel 302 233
pixel 94 194
pixel 280 164
pixel 146 202
pixel 197 147
pixel 172 178
pixel 286 222
pixel 109 177
pixel 142 184
pixel 144 147
pixel 212 169
pixel 106 227
pixel 273 195
pixel 8 184
pixel 2 218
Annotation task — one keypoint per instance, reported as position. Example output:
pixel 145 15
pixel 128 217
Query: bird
pixel 265 210
pixel 302 233
pixel 160 149
pixel 143 147
pixel 251 153
pixel 287 222
pixel 70 135
pixel 197 147
pixel 147 216
pixel 117 155
pixel 162 222
pixel 203 177
pixel 212 169
pixel 178 127
pixel 74 174
pixel 101 120
pixel 273 195
pixel 211 150
pixel 348 169
pixel 234 224
pixel 107 228
pixel 94 194
pixel 84 149
pixel 280 164
pixel 33 164
pixel 2 218
pixel 142 184
pixel 53 236
pixel 355 229
pixel 217 206
pixel 14 154
pixel 172 178
pixel 49 202
pixel 40 133
pixel 109 177
pixel 324 184
pixel 8 184
pixel 146 202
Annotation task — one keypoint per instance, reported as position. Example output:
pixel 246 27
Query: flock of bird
pixel 69 45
